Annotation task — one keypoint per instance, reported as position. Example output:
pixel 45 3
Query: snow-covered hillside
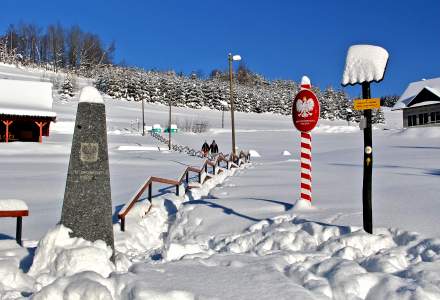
pixel 238 236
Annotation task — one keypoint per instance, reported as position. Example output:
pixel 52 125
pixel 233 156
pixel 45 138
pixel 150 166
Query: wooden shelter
pixel 25 110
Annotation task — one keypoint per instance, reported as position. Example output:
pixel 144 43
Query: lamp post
pixel 232 58
pixel 169 124
pixel 143 118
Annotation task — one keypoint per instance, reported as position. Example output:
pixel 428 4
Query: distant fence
pixel 243 157
pixel 183 149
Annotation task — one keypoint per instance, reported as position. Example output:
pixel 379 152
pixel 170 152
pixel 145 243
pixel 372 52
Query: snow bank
pixel 331 262
pixel 364 63
pixel 420 132
pixel 138 148
pixel 334 129
pixel 286 153
pixel 254 153
pixel 62 127
pixel 12 204
pixel 60 255
pixel 90 94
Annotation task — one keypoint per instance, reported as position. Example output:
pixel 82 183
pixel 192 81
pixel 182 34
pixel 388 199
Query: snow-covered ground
pixel 239 236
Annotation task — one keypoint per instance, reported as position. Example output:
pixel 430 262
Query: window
pixel 425 118
pixel 437 117
pixel 410 121
pixel 432 117
pixel 421 119
pixel 414 120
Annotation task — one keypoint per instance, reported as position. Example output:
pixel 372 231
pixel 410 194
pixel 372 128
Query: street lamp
pixel 169 123
pixel 143 118
pixel 230 59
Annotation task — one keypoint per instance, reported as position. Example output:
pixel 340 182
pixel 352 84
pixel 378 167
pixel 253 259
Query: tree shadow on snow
pixel 226 210
pixel 418 147
pixel 26 262
pixel 287 206
pixel 435 172
pixel 6 237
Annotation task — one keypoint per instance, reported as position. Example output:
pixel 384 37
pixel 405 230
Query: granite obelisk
pixel 87 205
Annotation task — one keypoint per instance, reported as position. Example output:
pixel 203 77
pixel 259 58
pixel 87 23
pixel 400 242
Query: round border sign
pixel 305 110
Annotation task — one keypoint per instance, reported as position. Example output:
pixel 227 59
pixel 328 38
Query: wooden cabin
pixel 25 110
pixel 420 104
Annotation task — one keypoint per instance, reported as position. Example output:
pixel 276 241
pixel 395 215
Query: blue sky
pixel 279 39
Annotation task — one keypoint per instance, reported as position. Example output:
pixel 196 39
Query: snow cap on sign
pixel 90 94
pixel 364 63
pixel 305 83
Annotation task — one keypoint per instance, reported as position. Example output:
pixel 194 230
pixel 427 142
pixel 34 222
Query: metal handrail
pixel 183 178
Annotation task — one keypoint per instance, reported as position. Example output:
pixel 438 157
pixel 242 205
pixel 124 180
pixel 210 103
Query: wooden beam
pixel 40 125
pixel 13 213
pixel 7 123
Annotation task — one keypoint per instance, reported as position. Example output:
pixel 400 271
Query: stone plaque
pixel 89 152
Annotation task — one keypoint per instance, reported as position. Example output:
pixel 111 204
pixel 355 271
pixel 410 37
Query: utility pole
pixel 169 126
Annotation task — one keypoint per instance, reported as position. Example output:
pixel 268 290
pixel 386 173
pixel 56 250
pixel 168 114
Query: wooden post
pixel 40 126
pixel 18 231
pixel 368 164
pixel 150 192
pixel 187 177
pixel 177 190
pixel 7 123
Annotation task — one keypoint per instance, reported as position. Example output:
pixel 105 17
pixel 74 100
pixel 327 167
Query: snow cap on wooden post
pixel 364 63
pixel 87 205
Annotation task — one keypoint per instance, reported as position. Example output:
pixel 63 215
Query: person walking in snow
pixel 213 148
pixel 205 148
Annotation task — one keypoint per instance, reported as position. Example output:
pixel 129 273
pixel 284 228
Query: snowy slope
pixel 238 237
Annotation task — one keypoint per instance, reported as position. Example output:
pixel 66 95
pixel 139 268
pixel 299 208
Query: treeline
pixel 54 47
pixel 254 95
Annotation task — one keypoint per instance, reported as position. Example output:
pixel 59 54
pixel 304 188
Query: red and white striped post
pixel 306 166
pixel 305 114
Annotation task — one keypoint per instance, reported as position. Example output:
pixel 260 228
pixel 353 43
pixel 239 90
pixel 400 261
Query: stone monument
pixel 87 205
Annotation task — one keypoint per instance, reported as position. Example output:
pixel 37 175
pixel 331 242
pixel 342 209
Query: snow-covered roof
pixel 364 63
pixel 414 88
pixel 12 204
pixel 26 98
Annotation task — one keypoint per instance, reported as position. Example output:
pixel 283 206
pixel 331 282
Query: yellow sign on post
pixel 363 104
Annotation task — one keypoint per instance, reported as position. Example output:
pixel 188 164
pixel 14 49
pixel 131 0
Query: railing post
pixel 177 189
pixel 18 231
pixel 206 167
pixel 123 224
pixel 213 169
pixel 187 177
pixel 200 176
pixel 150 192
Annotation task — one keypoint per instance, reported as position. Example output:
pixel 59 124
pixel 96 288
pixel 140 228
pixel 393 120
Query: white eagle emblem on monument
pixel 304 107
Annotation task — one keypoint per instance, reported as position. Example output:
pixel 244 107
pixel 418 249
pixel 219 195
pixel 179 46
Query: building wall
pixel 418 114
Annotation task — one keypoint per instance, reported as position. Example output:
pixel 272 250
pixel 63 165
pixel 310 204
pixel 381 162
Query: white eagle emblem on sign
pixel 304 107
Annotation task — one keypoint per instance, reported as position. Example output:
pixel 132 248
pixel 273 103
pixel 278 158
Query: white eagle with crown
pixel 305 107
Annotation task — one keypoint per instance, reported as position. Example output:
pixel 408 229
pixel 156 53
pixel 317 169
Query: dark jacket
pixel 213 148
pixel 205 147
